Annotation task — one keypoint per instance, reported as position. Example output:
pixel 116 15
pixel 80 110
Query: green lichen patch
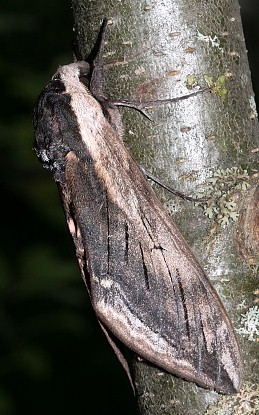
pixel 246 402
pixel 219 194
pixel 218 86
pixel 191 81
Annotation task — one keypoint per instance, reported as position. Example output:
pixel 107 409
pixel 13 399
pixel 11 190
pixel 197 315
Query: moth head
pixel 74 73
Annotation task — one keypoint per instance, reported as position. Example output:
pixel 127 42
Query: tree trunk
pixel 158 50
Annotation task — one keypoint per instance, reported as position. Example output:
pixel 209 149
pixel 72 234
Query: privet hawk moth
pixel 145 285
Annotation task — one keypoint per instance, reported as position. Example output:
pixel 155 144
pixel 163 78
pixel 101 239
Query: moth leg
pixel 140 106
pixel 97 74
pixel 170 189
pixel 113 341
pixel 110 107
pixel 95 58
pixel 97 78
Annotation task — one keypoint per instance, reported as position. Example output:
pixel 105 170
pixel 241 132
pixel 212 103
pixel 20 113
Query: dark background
pixel 53 357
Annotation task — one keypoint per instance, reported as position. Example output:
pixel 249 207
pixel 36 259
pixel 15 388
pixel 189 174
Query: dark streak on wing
pixel 183 303
pixel 199 315
pixel 108 234
pixel 145 272
pixel 200 340
pixel 126 251
pixel 147 226
pixel 168 268
pixel 219 374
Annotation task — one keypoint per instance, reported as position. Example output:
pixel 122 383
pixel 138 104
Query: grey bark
pixel 151 49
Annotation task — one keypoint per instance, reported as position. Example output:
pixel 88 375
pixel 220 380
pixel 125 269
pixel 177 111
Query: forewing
pixel 145 284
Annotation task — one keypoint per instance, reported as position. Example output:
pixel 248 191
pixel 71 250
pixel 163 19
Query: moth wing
pixel 145 285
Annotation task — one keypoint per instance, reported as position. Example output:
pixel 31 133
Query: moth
pixel 146 287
